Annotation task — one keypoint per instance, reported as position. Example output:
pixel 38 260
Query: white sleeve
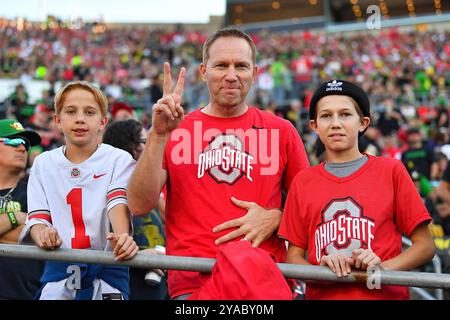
pixel 38 208
pixel 117 190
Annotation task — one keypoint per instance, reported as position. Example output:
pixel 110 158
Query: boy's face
pixel 338 123
pixel 80 119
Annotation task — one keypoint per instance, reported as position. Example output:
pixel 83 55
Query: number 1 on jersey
pixel 80 240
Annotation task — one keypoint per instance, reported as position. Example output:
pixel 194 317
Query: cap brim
pixel 31 136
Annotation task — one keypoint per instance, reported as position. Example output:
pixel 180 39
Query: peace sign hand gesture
pixel 167 111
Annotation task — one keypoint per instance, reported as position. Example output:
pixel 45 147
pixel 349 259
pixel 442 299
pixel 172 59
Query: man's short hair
pixel 228 32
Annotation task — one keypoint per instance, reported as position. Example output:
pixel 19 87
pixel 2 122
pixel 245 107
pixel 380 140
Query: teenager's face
pixel 80 119
pixel 338 123
pixel 229 71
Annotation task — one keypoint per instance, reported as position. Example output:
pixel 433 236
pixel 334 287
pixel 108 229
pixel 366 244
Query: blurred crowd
pixel 406 73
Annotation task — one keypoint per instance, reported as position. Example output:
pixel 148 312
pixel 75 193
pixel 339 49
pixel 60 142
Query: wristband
pixel 13 219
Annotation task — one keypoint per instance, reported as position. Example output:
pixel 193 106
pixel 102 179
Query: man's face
pixel 229 71
pixel 13 158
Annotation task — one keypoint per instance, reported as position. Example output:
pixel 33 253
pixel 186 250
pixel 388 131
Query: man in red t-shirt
pixel 225 165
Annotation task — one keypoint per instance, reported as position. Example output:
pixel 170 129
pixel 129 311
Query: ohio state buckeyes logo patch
pixel 343 228
pixel 225 160
pixel 75 173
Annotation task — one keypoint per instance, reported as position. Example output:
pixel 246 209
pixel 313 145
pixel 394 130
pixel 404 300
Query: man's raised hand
pixel 167 111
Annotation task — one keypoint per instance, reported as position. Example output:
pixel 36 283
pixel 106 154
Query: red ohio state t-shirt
pixel 209 160
pixel 371 208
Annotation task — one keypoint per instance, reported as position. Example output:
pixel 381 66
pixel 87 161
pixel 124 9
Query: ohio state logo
pixel 225 160
pixel 343 229
pixel 75 173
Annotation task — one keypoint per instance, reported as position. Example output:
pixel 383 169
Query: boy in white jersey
pixel 77 193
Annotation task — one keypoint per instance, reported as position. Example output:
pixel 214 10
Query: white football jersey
pixel 75 198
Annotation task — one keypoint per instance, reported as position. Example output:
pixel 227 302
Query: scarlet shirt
pixel 209 160
pixel 371 208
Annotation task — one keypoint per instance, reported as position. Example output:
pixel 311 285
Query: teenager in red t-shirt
pixel 351 210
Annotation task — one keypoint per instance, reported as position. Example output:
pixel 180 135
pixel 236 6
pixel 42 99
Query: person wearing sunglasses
pixel 19 278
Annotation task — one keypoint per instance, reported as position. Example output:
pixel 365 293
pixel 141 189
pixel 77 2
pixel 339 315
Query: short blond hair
pixel 99 96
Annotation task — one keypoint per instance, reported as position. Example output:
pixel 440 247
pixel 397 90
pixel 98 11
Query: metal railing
pixel 437 265
pixel 295 271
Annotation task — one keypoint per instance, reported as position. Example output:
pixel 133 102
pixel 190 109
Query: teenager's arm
pixel 421 251
pixel 296 255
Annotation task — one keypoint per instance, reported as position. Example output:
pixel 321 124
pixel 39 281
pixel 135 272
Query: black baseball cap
pixel 343 88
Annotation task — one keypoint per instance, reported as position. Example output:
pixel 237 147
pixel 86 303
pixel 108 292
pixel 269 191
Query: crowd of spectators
pixel 406 73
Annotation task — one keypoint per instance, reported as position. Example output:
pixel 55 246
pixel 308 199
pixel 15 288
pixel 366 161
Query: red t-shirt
pixel 209 160
pixel 371 208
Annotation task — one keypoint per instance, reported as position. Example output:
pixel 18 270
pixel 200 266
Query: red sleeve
pixel 410 209
pixel 293 226
pixel 296 156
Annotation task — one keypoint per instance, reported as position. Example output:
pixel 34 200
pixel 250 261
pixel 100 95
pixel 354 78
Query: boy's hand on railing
pixel 124 246
pixel 45 237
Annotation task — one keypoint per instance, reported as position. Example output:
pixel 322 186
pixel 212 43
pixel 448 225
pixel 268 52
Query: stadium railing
pixel 437 266
pixel 294 271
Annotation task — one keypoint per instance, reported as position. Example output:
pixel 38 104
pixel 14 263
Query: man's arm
pixel 148 178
